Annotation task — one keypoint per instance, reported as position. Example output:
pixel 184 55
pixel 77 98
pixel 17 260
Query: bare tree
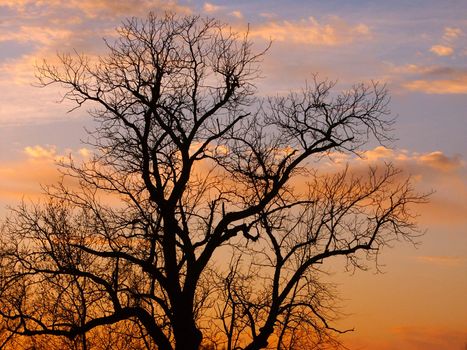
pixel 190 221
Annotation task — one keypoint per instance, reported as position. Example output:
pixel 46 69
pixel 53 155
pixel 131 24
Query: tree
pixel 192 223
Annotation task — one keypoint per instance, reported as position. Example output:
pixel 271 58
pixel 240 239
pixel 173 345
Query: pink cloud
pixel 310 31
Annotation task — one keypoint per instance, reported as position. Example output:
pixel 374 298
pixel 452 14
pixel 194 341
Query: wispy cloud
pixel 217 10
pixel 432 79
pixel 93 8
pixel 451 33
pixel 425 75
pixel 334 32
pixel 445 48
pixel 39 35
pixel 441 87
pixel 48 27
pixel 211 8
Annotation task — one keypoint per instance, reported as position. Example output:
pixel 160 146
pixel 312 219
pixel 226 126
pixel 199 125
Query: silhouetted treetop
pixel 189 226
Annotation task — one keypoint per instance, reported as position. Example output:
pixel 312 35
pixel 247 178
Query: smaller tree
pixel 209 230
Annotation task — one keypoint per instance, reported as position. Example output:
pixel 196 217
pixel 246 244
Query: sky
pixel 418 48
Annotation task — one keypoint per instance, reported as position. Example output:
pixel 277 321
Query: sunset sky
pixel 418 48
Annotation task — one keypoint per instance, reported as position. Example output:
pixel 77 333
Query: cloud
pixel 440 161
pixel 35 167
pixel 23 178
pixel 436 160
pixel 21 4
pixel 48 152
pixel 210 8
pixel 379 152
pixel 431 165
pixel 442 50
pixel 94 8
pixel 20 101
pixel 84 152
pixel 48 27
pixel 39 35
pixel 411 69
pixel 446 47
pixel 444 86
pixel 445 174
pixel 237 14
pixel 311 31
pixel 432 79
pixel 449 36
pixel 429 79
pixel 451 33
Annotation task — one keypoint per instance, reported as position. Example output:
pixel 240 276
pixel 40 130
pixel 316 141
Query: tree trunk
pixel 187 336
pixel 186 333
pixel 261 341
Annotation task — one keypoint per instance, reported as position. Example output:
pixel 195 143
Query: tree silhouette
pixel 199 220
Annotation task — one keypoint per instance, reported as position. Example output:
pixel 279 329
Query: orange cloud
pixel 41 152
pixel 432 79
pixel 444 174
pixel 440 161
pixel 93 8
pixel 413 69
pixel 23 178
pixel 444 86
pixel 434 170
pixel 379 152
pixel 436 160
pixel 310 31
pixel 442 50
pixel 21 4
pixel 38 167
